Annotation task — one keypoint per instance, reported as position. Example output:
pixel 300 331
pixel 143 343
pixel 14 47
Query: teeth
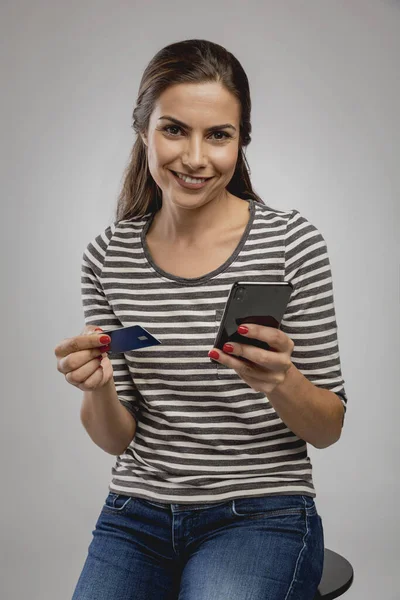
pixel 190 179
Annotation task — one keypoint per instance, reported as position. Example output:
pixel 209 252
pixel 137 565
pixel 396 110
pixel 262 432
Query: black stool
pixel 337 576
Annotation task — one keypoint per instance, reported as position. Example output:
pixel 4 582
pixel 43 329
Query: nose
pixel 194 156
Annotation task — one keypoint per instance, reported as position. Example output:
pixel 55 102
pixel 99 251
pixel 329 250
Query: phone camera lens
pixel 239 294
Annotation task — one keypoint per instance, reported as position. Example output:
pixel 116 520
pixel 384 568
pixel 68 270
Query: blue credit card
pixel 133 337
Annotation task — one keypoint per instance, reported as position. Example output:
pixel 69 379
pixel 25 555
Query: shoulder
pixel 300 238
pixel 116 231
pixel 301 233
pixel 272 215
pixel 305 246
pixel 290 224
pixel 291 218
pixel 130 227
pixel 96 248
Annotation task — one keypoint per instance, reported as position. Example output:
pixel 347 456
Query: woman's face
pixel 190 147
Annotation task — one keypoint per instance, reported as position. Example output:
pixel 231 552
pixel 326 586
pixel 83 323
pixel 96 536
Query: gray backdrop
pixel 325 87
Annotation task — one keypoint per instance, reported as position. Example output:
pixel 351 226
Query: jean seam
pixel 299 556
pixel 189 506
pixel 163 507
pixel 273 513
pixel 311 511
pixel 113 509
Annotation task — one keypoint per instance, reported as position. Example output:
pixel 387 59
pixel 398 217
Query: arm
pixel 312 401
pixel 313 414
pixel 108 423
pixel 110 414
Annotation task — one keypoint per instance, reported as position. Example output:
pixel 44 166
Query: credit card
pixel 133 337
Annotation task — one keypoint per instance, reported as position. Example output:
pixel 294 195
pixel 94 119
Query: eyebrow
pixel 214 128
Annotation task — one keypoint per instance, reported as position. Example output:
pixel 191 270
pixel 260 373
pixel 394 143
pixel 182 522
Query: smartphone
pixel 256 302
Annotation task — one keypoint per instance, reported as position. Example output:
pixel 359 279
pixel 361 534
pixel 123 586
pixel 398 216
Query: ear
pixel 144 138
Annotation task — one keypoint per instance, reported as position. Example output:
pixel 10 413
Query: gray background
pixel 325 86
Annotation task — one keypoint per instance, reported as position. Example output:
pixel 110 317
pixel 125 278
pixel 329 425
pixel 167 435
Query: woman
pixel 212 495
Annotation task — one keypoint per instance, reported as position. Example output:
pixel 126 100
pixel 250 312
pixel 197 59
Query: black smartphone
pixel 257 302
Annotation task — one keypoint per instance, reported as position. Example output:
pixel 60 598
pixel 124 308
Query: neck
pixel 177 225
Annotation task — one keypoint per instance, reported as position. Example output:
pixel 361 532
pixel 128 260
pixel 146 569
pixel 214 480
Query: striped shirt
pixel 203 435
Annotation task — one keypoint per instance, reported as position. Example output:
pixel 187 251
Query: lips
pixel 193 176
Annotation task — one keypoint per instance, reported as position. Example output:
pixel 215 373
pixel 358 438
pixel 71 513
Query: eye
pixel 226 135
pixel 223 133
pixel 171 127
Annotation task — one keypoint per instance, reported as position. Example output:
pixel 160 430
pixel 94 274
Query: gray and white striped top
pixel 203 435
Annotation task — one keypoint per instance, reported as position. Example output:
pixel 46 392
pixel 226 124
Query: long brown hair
pixel 189 61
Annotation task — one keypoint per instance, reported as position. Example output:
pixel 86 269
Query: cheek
pixel 163 154
pixel 226 161
pixel 158 156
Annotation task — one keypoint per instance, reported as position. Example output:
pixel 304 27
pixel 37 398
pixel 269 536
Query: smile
pixel 188 177
pixel 193 183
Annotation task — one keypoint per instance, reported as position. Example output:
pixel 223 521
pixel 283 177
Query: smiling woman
pixel 213 496
pixel 195 95
pixel 197 150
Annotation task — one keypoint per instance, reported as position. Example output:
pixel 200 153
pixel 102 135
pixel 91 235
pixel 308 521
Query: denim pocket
pixel 273 506
pixel 117 502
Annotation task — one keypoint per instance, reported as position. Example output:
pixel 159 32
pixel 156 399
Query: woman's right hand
pixel 83 361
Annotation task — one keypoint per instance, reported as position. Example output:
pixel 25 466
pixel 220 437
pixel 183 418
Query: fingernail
pixel 228 348
pixel 243 330
pixel 104 348
pixel 213 354
pixel 98 329
pixel 105 339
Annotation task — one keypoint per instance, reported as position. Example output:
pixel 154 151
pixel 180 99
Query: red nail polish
pixel 105 339
pixel 213 354
pixel 104 348
pixel 228 348
pixel 243 330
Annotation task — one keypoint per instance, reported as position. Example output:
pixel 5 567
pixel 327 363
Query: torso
pixel 203 258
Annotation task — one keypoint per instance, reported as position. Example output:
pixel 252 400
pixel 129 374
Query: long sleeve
pixel 97 311
pixel 310 319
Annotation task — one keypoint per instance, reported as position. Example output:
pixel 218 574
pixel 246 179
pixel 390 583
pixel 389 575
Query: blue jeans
pixel 264 548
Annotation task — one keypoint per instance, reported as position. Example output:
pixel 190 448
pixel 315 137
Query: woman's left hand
pixel 267 368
